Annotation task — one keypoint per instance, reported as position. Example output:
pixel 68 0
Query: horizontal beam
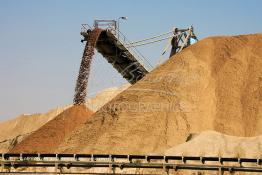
pixel 121 165
pixel 6 156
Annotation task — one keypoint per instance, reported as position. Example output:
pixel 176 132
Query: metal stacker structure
pixel 123 54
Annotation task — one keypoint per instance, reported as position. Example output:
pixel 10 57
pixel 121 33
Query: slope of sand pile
pixel 48 137
pixel 211 143
pixel 14 130
pixel 215 84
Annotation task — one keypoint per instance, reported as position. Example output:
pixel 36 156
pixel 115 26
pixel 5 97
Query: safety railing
pixel 135 52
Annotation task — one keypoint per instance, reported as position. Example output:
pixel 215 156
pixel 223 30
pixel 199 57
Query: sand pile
pixel 213 144
pixel 215 84
pixel 15 130
pixel 23 123
pixel 48 137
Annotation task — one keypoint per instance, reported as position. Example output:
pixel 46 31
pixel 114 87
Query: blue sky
pixel 40 49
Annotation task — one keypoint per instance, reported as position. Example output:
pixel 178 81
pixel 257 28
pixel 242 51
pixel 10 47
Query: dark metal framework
pixel 112 24
pixel 128 62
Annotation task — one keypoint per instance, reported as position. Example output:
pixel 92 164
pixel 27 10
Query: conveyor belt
pixel 120 162
pixel 126 61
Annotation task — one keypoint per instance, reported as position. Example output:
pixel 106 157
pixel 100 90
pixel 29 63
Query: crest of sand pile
pixel 215 84
pixel 48 137
pixel 101 98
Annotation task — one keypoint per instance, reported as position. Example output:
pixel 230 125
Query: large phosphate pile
pixel 215 84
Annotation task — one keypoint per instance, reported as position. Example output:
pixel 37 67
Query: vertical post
pixel 118 28
pixel 220 171
pixel 3 163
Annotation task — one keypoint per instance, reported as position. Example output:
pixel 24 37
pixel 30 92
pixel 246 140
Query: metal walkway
pixel 62 162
